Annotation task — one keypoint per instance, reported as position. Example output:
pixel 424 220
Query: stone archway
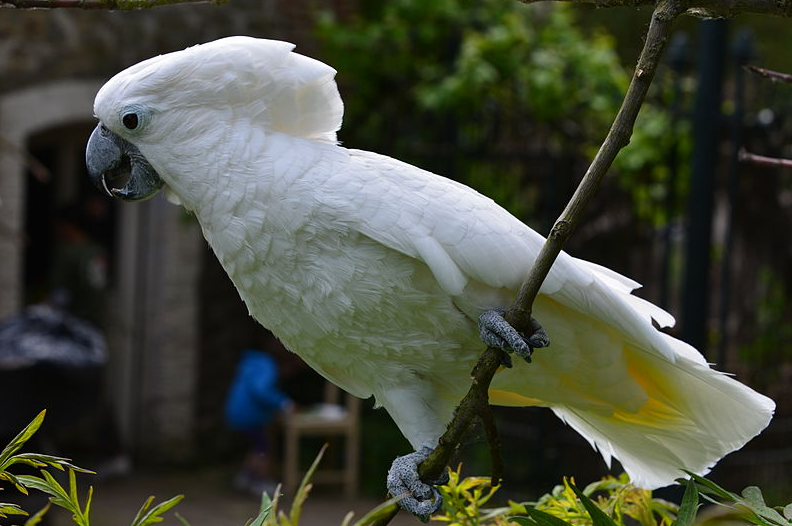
pixel 22 114
pixel 152 369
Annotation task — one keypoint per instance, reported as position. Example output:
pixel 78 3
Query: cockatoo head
pixel 176 115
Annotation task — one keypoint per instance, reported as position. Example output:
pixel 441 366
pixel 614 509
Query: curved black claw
pixel 496 332
pixel 420 499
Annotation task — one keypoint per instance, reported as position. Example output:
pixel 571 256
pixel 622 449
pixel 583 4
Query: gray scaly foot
pixel 420 499
pixel 498 333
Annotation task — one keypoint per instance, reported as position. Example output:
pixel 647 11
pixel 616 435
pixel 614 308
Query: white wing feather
pixel 633 392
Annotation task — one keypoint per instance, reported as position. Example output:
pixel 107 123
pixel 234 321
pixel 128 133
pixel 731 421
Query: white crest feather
pixel 279 89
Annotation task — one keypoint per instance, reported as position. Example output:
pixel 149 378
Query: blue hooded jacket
pixel 254 397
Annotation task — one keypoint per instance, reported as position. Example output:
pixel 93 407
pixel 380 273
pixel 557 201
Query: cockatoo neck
pixel 205 172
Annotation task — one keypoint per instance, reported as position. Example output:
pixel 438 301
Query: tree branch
pixel 775 76
pixel 747 157
pixel 519 315
pixel 110 5
pixel 701 8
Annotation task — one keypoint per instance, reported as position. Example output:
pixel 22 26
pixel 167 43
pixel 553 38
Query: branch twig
pixel 110 5
pixel 775 76
pixel 519 315
pixel 748 157
pixel 701 8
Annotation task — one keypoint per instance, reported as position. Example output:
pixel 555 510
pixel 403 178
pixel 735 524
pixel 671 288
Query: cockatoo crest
pixel 281 90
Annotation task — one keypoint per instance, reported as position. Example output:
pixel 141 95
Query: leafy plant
pixel 464 500
pixel 9 457
pixel 612 501
pixel 749 505
pixel 486 91
pixel 59 496
pixel 609 502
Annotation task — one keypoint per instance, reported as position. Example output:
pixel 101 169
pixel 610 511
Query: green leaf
pixel 540 518
pixel 20 439
pixel 142 511
pixel 264 511
pixel 38 516
pixel 305 487
pixel 753 499
pixel 689 507
pixel 788 512
pixel 598 517
pixel 181 519
pixel 711 487
pixel 14 479
pixel 50 486
pixel 146 516
pixel 377 512
pixel 49 460
pixel 88 500
pixel 7 509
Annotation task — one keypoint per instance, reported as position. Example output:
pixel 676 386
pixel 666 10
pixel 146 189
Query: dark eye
pixel 130 121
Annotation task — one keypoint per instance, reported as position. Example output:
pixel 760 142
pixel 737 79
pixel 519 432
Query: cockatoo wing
pixel 632 391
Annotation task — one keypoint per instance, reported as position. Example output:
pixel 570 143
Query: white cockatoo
pixel 382 276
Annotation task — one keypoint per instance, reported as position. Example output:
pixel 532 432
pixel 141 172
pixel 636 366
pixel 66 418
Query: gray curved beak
pixel 117 167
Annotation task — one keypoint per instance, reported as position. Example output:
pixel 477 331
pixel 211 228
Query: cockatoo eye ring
pixel 130 120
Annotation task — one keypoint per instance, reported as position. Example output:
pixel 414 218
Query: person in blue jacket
pixel 254 401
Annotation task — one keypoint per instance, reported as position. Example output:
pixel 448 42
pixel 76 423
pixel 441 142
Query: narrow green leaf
pixel 712 487
pixel 788 512
pixel 545 519
pixel 7 509
pixel 142 511
pixel 88 500
pixel 348 518
pixel 522 521
pixel 262 516
pixel 183 520
pixel 55 486
pixel 51 487
pixel 60 463
pixel 32 482
pixel 38 516
pixel 21 438
pixel 147 516
pixel 264 511
pixel 302 491
pixel 164 506
pixel 376 512
pixel 14 479
pixel 689 507
pixel 598 517
pixel 73 488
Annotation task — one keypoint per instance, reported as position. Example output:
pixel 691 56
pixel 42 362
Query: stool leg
pixel 290 468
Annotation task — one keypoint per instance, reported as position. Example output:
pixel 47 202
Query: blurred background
pixel 510 99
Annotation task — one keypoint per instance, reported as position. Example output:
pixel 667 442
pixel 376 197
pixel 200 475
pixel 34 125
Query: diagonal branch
pixel 519 314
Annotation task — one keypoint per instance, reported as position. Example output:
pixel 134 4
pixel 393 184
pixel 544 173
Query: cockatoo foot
pixel 420 499
pixel 496 332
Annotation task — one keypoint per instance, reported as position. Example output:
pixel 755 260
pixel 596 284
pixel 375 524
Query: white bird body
pixel 375 271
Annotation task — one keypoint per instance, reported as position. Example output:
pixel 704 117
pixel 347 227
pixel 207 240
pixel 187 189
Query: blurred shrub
pixel 461 86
